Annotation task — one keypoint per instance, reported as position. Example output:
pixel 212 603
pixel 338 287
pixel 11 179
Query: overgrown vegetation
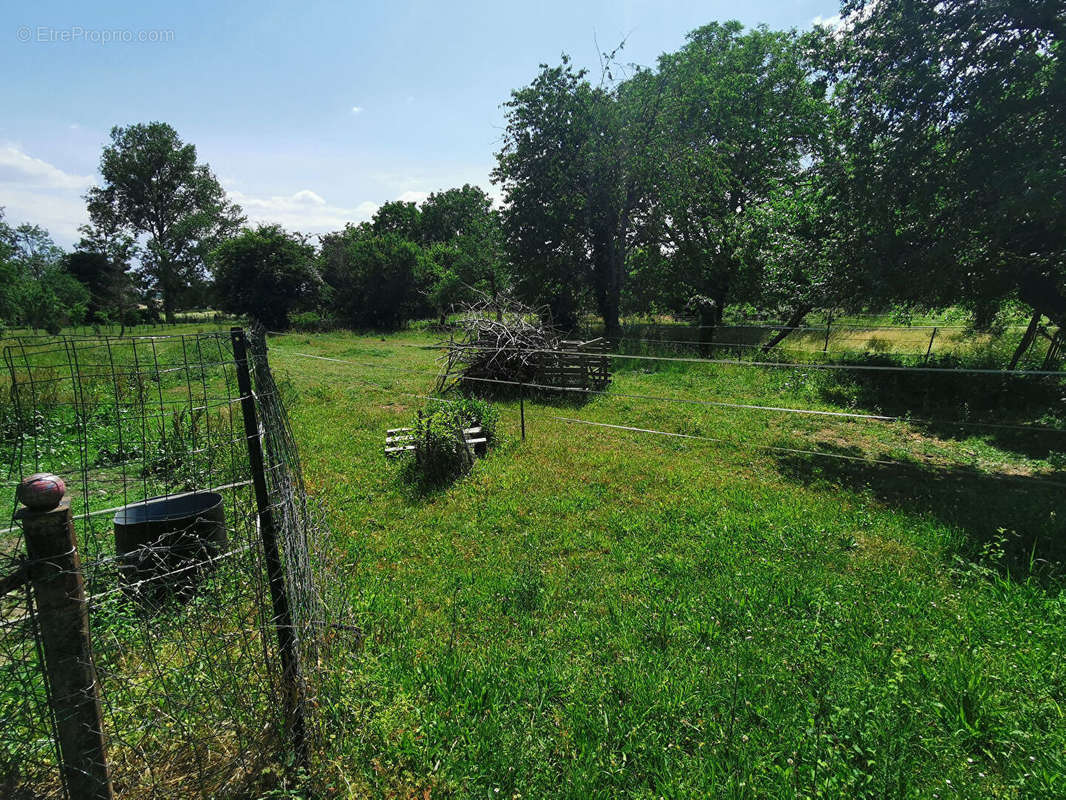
pixel 441 453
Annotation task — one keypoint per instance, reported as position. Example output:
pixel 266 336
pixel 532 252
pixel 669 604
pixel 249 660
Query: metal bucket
pixel 167 543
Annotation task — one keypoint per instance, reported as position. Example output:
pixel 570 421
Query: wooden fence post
pixel 63 622
pixel 828 325
pixel 929 349
pixel 522 407
pixel 291 675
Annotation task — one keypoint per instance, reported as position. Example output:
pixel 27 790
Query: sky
pixel 310 114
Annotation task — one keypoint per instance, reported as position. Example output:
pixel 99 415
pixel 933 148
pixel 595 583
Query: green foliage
pixel 571 168
pixel 465 248
pixel 105 278
pixel 376 280
pixel 191 451
pixel 441 454
pixel 311 322
pixel 51 302
pixel 950 115
pixel 154 190
pixel 265 274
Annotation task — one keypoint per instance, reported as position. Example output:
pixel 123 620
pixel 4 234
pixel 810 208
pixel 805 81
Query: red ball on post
pixel 41 492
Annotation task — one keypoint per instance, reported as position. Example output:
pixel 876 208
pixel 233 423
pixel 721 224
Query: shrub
pixel 312 322
pixel 441 454
pixel 265 274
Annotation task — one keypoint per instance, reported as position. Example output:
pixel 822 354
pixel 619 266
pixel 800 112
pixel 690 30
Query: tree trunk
pixel 709 317
pixel 1053 350
pixel 793 322
pixel 1026 342
pixel 1043 294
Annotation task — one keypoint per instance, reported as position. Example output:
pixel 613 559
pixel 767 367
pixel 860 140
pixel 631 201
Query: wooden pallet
pixel 578 365
pixel 402 440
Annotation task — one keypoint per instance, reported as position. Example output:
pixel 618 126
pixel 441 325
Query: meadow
pixel 596 612
pixel 864 599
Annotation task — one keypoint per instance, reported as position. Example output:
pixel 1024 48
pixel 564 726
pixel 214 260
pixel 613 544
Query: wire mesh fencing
pixel 192 540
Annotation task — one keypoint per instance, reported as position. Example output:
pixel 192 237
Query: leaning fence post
pixel 929 349
pixel 63 624
pixel 291 677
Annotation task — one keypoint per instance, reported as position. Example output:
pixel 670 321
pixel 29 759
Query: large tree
pixel 155 191
pixel 376 280
pixel 957 130
pixel 572 168
pixel 740 120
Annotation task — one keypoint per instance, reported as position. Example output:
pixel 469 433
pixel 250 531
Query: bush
pixel 378 280
pixel 312 322
pixel 441 454
pixel 265 274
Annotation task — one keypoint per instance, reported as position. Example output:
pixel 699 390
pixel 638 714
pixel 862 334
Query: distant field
pixel 847 336
pixel 596 612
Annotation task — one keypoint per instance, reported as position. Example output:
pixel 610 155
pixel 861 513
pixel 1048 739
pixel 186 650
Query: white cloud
pixel 16 167
pixel 305 211
pixel 413 197
pixel 827 22
pixel 357 109
pixel 35 191
pixel 309 197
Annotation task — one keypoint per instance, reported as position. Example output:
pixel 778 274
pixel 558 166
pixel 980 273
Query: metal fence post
pixel 63 623
pixel 291 676
pixel 522 408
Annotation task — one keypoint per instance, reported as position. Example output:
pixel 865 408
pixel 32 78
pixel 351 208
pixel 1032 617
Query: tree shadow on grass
pixel 1020 520
pixel 946 399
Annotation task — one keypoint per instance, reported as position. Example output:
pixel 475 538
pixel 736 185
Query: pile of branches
pixel 496 343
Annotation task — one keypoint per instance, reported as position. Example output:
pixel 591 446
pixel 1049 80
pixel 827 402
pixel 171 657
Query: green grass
pixel 599 613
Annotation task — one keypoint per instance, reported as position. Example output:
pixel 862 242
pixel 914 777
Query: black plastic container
pixel 167 543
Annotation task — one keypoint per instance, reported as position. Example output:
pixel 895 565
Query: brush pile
pixel 497 344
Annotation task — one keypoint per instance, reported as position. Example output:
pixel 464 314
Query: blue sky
pixel 311 114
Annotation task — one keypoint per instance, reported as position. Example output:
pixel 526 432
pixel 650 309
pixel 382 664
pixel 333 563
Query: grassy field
pixel 598 613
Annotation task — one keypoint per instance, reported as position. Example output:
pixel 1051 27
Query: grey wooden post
pixel 63 621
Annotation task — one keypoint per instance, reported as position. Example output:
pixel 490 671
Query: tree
pixel 740 119
pixel 376 280
pixel 33 250
pixel 571 169
pixel 154 190
pixel 10 277
pixel 54 300
pixel 265 274
pixel 464 238
pixel 398 217
pixel 106 281
pixel 956 116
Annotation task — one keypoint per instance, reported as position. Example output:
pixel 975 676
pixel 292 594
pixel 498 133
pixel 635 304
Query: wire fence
pixel 991 384
pixel 197 565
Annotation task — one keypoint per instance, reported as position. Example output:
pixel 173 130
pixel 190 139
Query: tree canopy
pixel 155 191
